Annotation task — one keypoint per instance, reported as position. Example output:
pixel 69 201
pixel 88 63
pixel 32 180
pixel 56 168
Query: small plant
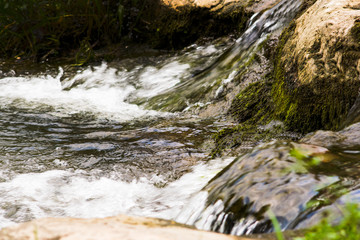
pixel 347 229
pixel 276 225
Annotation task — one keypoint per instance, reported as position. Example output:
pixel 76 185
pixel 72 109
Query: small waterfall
pixel 258 30
pixel 101 91
pixel 79 143
pixel 223 69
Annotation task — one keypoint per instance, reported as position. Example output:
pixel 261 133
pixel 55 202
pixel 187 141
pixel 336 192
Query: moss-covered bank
pixel 42 30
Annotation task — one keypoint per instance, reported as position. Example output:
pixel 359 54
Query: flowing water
pixel 74 146
pixel 91 142
pixel 210 79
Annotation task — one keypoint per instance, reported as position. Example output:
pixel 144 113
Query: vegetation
pixel 253 103
pixel 276 225
pixel 41 29
pixel 347 229
pixel 248 134
pixel 332 226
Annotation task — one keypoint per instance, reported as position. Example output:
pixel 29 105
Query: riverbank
pixel 42 31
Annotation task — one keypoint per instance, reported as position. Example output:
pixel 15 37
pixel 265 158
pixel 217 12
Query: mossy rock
pixel 169 28
pixel 253 103
pixel 245 136
pixel 315 68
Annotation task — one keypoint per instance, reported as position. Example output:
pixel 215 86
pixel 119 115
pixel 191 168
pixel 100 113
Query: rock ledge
pixel 110 228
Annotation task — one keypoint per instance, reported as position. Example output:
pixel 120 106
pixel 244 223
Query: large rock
pixel 214 5
pixel 317 67
pixel 178 23
pixel 348 138
pixel 111 228
pixel 284 177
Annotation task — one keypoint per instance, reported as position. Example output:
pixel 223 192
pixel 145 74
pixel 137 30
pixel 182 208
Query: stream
pixel 77 144
pixel 122 138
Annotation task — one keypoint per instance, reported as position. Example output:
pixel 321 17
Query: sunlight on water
pixel 100 91
pixel 59 193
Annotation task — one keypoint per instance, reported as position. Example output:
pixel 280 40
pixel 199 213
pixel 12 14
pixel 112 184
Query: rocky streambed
pixel 214 136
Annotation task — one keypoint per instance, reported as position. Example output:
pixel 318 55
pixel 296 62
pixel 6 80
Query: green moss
pixel 347 228
pixel 167 102
pixel 305 109
pixel 320 104
pixel 247 134
pixel 229 138
pixel 253 103
pixel 251 107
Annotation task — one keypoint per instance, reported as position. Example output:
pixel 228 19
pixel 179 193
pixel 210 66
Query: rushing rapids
pixel 78 141
pixel 92 142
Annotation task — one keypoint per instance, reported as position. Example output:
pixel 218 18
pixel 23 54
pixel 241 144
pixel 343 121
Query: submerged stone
pixel 294 181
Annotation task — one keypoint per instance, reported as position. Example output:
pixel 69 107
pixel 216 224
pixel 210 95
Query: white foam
pixel 155 81
pixel 101 91
pixel 73 194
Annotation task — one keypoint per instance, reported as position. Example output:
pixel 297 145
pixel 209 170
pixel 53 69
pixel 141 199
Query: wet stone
pixel 286 178
pixel 348 138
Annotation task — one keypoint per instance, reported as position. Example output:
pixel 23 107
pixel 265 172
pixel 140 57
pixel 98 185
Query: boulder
pixel 175 24
pixel 110 228
pixel 317 66
pixel 348 138
pixel 284 177
pixel 214 5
